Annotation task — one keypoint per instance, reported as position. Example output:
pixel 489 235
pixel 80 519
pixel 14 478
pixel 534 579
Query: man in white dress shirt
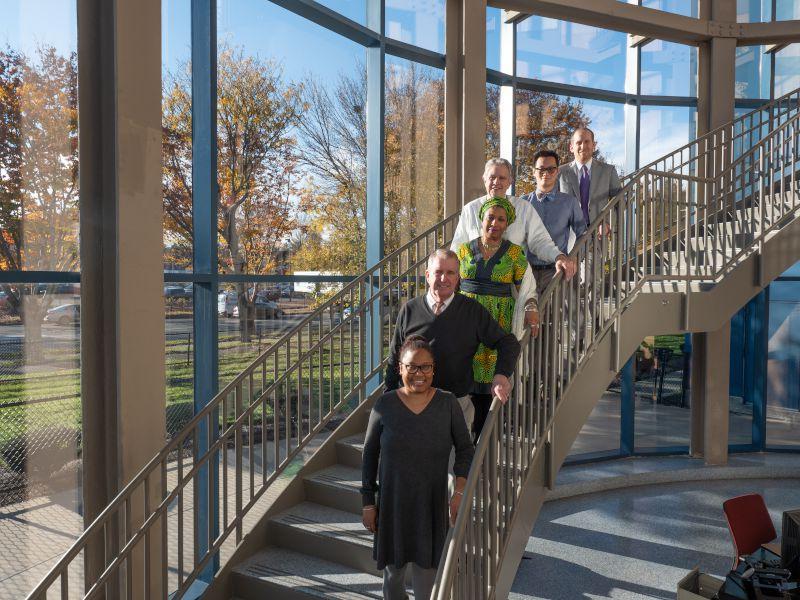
pixel 527 230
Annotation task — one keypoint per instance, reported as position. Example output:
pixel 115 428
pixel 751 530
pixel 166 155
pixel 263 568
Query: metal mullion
pixel 204 261
pixel 375 133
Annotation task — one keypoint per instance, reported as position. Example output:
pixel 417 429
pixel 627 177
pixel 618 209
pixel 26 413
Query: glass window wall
pixel 355 10
pixel 40 393
pixel 783 365
pixel 786 10
pixel 663 129
pixel 413 150
pixel 662 402
pixel 563 52
pixel 291 170
pixel 420 23
pixel 787 70
pixel 601 432
pixel 494 23
pixel 668 69
pixel 492 121
pixel 752 72
pixel 687 8
pixel 754 11
pixel 176 124
pixel 547 121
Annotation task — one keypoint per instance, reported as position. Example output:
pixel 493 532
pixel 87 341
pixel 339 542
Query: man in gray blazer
pixel 590 181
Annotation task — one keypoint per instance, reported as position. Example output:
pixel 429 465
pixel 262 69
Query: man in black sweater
pixel 454 325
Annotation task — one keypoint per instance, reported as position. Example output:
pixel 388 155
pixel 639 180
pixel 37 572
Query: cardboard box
pixel 698 586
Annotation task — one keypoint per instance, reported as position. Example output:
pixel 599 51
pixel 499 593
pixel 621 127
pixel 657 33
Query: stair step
pixel 337 486
pixel 325 532
pixel 285 574
pixel 350 449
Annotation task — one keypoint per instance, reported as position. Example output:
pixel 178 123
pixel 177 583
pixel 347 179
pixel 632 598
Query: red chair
pixel 749 522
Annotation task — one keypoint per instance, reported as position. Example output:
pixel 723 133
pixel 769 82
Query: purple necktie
pixel 585 193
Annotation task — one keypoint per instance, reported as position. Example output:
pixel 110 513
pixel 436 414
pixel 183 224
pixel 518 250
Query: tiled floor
pixel 636 542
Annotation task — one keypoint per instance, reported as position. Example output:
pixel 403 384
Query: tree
pixel 38 174
pixel 333 138
pixel 543 121
pixel 414 152
pixel 334 150
pixel 493 122
pixel 256 113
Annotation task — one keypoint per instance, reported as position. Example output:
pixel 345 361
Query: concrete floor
pixel 637 542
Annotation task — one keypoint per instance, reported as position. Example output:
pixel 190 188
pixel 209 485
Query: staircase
pixel 264 481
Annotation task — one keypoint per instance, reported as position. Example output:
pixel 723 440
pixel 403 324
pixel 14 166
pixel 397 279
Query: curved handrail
pixel 576 314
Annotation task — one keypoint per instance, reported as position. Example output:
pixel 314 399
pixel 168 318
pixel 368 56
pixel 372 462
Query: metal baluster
pixel 237 399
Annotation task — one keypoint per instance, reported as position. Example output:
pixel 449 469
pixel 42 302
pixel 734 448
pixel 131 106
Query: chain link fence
pixel 40 404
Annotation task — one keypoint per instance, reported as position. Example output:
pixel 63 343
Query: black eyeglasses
pixel 545 170
pixel 426 368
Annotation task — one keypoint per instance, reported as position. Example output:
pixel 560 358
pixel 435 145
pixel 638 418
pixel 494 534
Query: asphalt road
pixel 173 328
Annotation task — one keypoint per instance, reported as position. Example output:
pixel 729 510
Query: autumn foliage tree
pixel 543 121
pixel 333 154
pixel 38 173
pixel 333 142
pixel 256 161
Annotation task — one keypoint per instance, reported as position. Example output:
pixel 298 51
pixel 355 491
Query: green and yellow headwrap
pixel 503 203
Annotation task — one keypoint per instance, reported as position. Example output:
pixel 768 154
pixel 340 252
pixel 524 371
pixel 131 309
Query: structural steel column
pixel 716 69
pixel 474 98
pixel 376 109
pixel 465 101
pixel 715 107
pixel 710 396
pixel 122 329
pixel 453 193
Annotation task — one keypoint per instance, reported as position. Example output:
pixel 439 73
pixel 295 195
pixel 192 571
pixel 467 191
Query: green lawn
pixel 19 422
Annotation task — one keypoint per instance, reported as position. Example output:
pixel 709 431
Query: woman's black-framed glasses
pixel 426 368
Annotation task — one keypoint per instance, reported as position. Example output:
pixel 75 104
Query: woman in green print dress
pixel 492 271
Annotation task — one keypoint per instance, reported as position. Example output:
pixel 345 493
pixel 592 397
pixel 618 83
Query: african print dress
pixel 490 283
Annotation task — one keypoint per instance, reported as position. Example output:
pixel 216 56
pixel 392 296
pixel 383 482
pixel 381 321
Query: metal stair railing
pixel 244 439
pixel 662 226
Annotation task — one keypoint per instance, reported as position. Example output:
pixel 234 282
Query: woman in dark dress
pixel 412 430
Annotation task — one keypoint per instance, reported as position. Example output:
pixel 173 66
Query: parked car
pixel 177 291
pixel 57 288
pixel 267 309
pixel 66 314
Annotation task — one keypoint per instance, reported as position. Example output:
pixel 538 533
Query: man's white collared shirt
pixel 432 302
pixel 527 230
pixel 588 166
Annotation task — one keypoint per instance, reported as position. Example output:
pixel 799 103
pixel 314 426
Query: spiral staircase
pixel 257 497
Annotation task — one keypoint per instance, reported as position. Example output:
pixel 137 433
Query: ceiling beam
pixel 772 32
pixel 642 23
pixel 620 16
